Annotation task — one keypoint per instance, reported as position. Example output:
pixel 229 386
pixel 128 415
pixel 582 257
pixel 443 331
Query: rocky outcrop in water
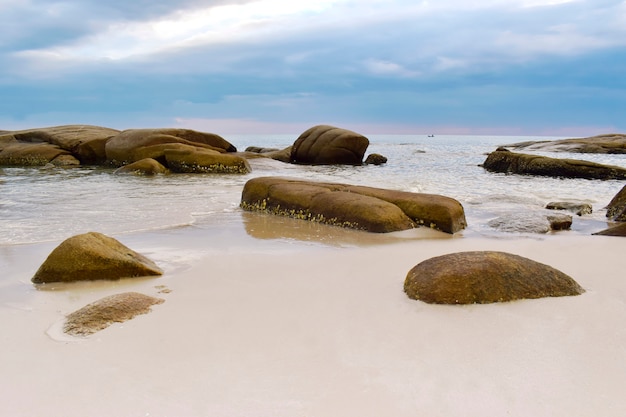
pixel 101 314
pixel 328 145
pixel 74 145
pixel 517 163
pixel 613 143
pixel 365 208
pixel 485 277
pixel 93 256
pixel 135 144
pixel 58 145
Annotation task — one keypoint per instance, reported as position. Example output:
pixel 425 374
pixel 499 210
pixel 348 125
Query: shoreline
pixel 260 326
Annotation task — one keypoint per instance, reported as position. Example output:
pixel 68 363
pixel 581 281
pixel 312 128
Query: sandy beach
pixel 275 318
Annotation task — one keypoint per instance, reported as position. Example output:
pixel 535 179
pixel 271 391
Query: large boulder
pixel 485 277
pixel 516 163
pixel 135 144
pixel 93 256
pixel 84 142
pixel 612 143
pixel 616 210
pixel 365 208
pixel 198 160
pixel 327 145
pixel 101 314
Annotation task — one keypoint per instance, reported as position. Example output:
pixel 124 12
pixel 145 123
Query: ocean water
pixel 50 204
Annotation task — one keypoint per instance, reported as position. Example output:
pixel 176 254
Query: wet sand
pixel 272 318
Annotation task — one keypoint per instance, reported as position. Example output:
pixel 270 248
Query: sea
pixel 49 204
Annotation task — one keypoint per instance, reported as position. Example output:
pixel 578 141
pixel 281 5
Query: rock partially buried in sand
pixel 106 311
pixel 485 277
pixel 93 256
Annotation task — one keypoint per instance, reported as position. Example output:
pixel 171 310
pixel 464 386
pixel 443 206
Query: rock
pixel 84 142
pixel 327 145
pixel 258 149
pixel 93 256
pixel 31 154
pixel 136 144
pixel 101 314
pixel 517 163
pixel 521 222
pixel 616 210
pixel 560 222
pixel 194 160
pixel 375 159
pixel 619 230
pixel 613 143
pixel 366 208
pixel 146 166
pixel 485 277
pixel 577 208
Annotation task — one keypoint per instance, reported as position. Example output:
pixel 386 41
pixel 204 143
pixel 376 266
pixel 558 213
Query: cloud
pixel 401 62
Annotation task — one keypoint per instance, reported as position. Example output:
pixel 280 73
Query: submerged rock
pixel 93 256
pixel 327 145
pixel 113 309
pixel 517 163
pixel 365 208
pixel 577 208
pixel 485 277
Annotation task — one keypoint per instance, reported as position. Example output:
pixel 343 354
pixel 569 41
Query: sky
pixel 476 67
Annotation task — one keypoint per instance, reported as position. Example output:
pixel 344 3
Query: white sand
pixel 265 327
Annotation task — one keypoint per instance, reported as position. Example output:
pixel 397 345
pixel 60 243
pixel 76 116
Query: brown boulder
pixel 135 144
pixel 485 277
pixel 146 166
pixel 616 210
pixel 327 145
pixel 517 163
pixel 198 160
pixel 101 314
pixel 366 208
pixel 93 256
